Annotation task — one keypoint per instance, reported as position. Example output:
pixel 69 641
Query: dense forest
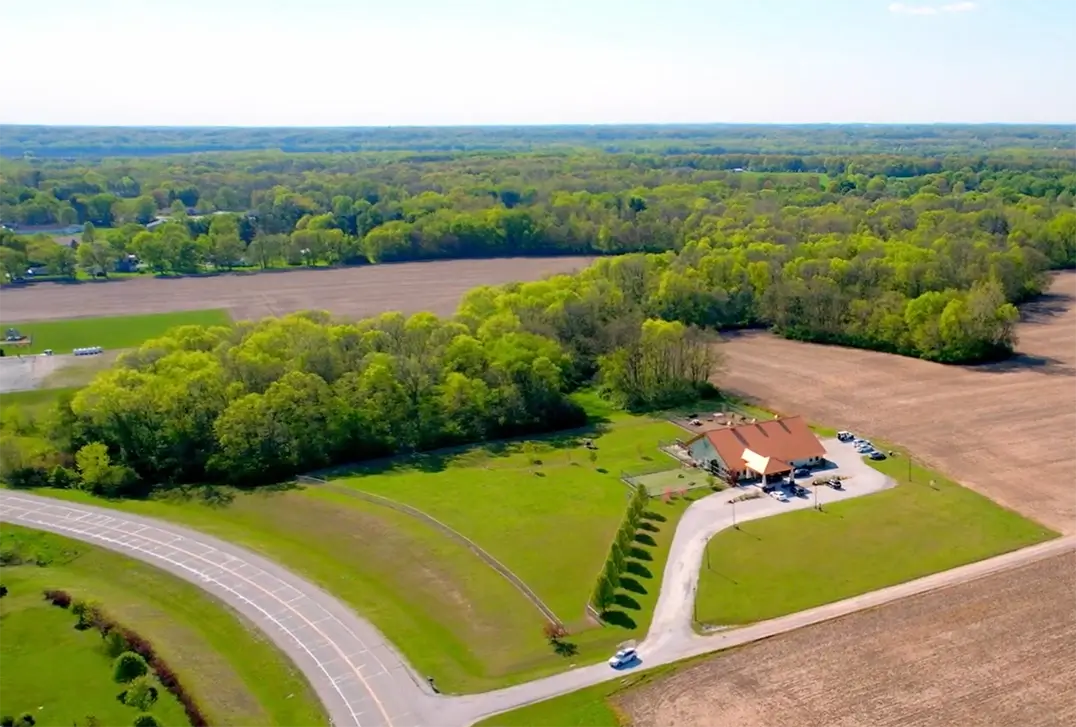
pixel 915 252
pixel 800 139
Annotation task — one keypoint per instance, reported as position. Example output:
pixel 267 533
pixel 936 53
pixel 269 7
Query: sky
pixel 448 62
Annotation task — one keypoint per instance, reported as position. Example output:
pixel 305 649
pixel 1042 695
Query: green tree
pixel 128 666
pixel 89 234
pixel 604 594
pixel 616 555
pixel 62 261
pixel 12 263
pixel 96 257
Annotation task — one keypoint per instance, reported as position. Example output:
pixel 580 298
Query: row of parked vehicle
pixel 89 351
pixel 862 446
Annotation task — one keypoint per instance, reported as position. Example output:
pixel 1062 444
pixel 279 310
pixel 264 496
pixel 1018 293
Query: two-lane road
pixel 359 677
pixel 363 681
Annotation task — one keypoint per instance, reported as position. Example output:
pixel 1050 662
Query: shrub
pixel 63 477
pixel 88 612
pixel 115 644
pixel 146 720
pixel 128 666
pixel 7 721
pixel 58 598
pixel 3 590
pixel 554 631
pixel 141 694
pixel 25 720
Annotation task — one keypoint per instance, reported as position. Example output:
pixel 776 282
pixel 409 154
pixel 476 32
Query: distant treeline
pixel 804 140
pixel 269 209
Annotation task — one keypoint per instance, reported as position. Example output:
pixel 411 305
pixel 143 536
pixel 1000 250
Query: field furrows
pixel 997 651
pixel 355 292
pixel 1007 430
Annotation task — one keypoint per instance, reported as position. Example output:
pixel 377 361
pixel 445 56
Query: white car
pixel 622 657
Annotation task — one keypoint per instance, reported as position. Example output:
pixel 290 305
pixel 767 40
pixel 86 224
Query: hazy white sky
pixel 358 62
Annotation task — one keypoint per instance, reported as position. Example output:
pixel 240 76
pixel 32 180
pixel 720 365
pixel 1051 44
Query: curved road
pixel 359 677
pixel 363 680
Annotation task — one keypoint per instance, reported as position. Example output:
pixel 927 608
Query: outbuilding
pixel 761 450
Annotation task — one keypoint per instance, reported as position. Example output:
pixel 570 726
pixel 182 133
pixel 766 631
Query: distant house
pixel 153 225
pixel 760 450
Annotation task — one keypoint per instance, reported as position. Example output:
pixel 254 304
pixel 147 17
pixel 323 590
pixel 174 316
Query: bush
pixel 146 720
pixel 7 721
pixel 58 598
pixel 3 590
pixel 25 720
pixel 63 477
pixel 115 644
pixel 141 694
pixel 128 666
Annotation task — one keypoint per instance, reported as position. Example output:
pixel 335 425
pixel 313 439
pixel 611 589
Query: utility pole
pixel 734 523
pixel 816 507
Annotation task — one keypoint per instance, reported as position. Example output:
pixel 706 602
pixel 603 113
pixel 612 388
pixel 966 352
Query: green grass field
pixel 452 615
pixel 63 336
pixel 551 523
pixel 61 675
pixel 802 559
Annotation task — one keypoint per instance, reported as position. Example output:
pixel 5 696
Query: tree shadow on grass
pixel 639 554
pixel 630 584
pixel 645 539
pixel 638 569
pixel 655 516
pixel 564 648
pixel 625 601
pixel 648 527
pixel 619 618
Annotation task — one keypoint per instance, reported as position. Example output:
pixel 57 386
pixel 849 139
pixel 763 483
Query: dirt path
pixel 1007 430
pixel 435 286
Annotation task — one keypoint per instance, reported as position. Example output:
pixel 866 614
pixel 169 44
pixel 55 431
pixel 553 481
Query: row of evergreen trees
pixel 615 563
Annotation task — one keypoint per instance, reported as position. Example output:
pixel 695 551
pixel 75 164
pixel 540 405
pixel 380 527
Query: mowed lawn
pixel 453 616
pixel 550 523
pixel 63 336
pixel 802 559
pixel 61 675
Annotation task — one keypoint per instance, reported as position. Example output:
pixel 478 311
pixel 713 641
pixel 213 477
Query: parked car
pixel 623 658
pixel 799 491
pixel 843 436
pixel 802 472
pixel 836 484
pixel 875 454
pixel 769 487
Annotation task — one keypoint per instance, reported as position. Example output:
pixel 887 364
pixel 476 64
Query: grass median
pixel 62 675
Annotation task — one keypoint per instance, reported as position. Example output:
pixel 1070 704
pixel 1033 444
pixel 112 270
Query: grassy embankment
pixel 111 332
pixel 62 675
pixel 452 615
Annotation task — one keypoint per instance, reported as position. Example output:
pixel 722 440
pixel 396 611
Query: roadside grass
pixel 592 706
pixel 61 675
pixel 112 332
pixel 453 616
pixel 795 561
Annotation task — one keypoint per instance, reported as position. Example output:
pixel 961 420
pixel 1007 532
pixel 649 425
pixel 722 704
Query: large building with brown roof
pixel 762 449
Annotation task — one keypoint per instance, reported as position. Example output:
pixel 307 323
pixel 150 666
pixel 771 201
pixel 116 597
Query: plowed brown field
pixel 996 652
pixel 1007 430
pixel 357 291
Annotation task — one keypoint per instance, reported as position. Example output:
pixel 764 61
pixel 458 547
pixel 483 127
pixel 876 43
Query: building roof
pixel 766 447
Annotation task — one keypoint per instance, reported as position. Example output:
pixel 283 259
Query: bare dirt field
pixel 1007 430
pixel 435 286
pixel 950 657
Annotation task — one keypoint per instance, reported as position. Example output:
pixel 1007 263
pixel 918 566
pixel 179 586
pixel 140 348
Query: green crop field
pixel 802 559
pixel 62 675
pixel 63 336
pixel 452 615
